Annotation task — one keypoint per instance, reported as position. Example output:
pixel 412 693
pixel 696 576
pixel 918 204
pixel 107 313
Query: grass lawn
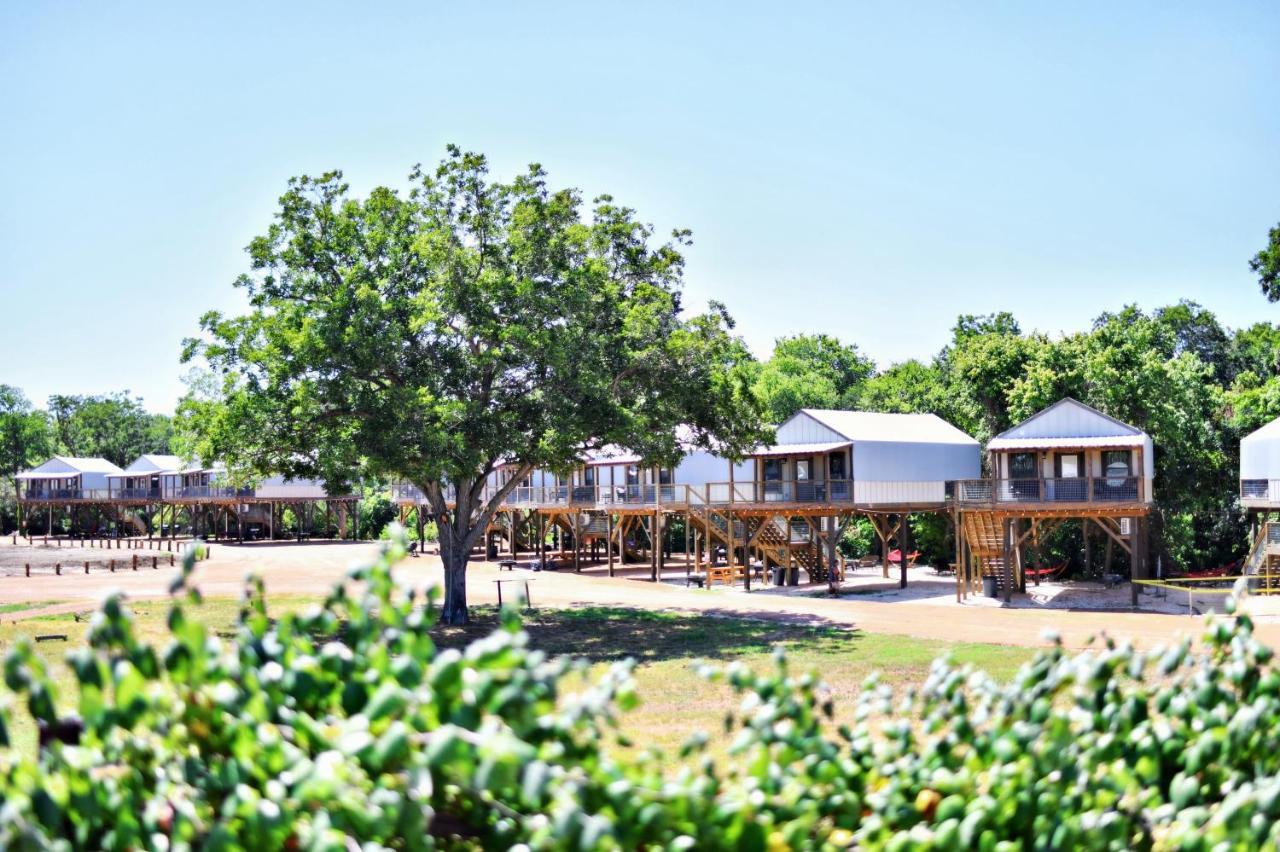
pixel 676 702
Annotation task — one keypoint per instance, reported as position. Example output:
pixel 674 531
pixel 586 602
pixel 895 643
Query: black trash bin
pixel 989 586
pixel 492 552
pixel 777 575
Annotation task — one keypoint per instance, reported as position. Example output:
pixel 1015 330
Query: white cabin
pixel 863 457
pixel 1260 467
pixel 68 478
pixel 1071 452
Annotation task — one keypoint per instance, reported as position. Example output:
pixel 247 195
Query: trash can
pixel 491 552
pixel 777 575
pixel 989 586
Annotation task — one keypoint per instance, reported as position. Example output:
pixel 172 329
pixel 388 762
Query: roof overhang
pixel 1107 442
pixel 35 474
pixel 801 449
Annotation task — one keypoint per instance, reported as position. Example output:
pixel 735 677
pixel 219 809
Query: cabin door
pixel 1069 484
pixel 838 476
pixel 771 474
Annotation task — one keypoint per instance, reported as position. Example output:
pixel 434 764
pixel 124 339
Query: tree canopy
pixel 25 436
pixel 434 334
pixel 114 426
pixel 1266 264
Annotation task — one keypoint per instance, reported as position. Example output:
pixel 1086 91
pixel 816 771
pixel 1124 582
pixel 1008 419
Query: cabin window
pixel 804 470
pixel 633 474
pixel 1023 466
pixel 835 466
pixel 664 476
pixel 1069 466
pixel 588 476
pixel 772 470
pixel 1115 464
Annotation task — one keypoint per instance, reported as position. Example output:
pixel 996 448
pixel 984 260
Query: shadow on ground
pixel 613 633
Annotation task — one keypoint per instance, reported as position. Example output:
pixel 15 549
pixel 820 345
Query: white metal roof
pixel 880 426
pixel 801 449
pixel 64 466
pixel 1087 443
pixel 154 463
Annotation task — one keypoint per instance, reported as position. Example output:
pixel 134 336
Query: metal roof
pixel 882 426
pixel 1092 442
pixel 801 449
pixel 154 463
pixel 60 467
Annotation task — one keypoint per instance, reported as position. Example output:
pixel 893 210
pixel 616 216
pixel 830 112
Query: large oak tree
pixel 435 334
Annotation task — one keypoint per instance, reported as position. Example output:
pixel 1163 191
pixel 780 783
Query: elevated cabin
pixel 1066 456
pixel 859 459
pixel 145 478
pixel 1260 468
pixel 67 478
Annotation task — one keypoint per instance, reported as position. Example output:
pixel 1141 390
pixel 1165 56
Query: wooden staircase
pixel 985 535
pixel 1263 560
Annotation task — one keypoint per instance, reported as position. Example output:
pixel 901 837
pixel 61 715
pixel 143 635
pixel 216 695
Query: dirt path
pixel 310 569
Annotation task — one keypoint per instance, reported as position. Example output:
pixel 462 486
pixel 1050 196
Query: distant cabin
pixel 864 457
pixel 1260 467
pixel 145 477
pixel 1072 453
pixel 67 478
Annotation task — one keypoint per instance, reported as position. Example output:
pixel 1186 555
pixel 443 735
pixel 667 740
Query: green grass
pixel 676 702
pixel 22 607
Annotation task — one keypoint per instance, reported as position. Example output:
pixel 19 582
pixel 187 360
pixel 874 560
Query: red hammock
pixel 895 557
pixel 1047 573
pixel 1221 571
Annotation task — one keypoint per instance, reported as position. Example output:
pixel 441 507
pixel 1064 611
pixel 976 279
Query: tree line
pixel 114 426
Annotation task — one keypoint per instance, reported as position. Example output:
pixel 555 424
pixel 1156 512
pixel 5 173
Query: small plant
pixel 344 726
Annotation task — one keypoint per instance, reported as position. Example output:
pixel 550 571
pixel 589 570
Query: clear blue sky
pixel 870 171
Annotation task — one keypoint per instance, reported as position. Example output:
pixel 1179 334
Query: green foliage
pixel 345 726
pixel 859 539
pixel 1266 265
pixel 810 371
pixel 432 334
pixel 113 426
pixel 26 438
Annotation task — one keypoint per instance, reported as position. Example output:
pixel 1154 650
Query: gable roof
pixel 154 463
pixel 1269 432
pixel 881 426
pixel 1068 422
pixel 60 466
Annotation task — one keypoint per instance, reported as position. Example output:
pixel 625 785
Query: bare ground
pixel 927 610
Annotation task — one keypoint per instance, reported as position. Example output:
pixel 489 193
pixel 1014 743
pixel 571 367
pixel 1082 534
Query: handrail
pixel 1056 490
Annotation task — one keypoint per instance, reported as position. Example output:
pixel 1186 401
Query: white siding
pixel 803 429
pixel 1260 453
pixel 1068 419
pixel 884 461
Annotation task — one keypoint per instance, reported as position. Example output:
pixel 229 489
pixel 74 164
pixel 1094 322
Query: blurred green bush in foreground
pixel 345 727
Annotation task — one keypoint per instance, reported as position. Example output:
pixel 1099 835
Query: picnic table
pixel 528 601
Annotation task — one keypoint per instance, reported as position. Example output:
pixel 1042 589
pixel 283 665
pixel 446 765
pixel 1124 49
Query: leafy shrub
pixel 345 727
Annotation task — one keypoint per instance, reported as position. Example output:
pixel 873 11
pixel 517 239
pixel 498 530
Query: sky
pixel 870 171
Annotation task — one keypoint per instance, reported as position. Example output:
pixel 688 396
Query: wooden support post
pixel 904 542
pixel 659 560
pixel 1135 558
pixel 1006 530
pixel 832 543
pixel 959 543
pixel 608 524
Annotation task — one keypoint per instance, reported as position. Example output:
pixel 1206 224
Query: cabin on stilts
pixel 1067 462
pixel 1260 499
pixel 829 466
pixel 159 495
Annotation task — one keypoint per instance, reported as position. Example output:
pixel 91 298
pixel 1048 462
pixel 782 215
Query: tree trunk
pixel 454 555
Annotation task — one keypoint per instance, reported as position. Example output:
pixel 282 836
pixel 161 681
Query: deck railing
pixel 1054 490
